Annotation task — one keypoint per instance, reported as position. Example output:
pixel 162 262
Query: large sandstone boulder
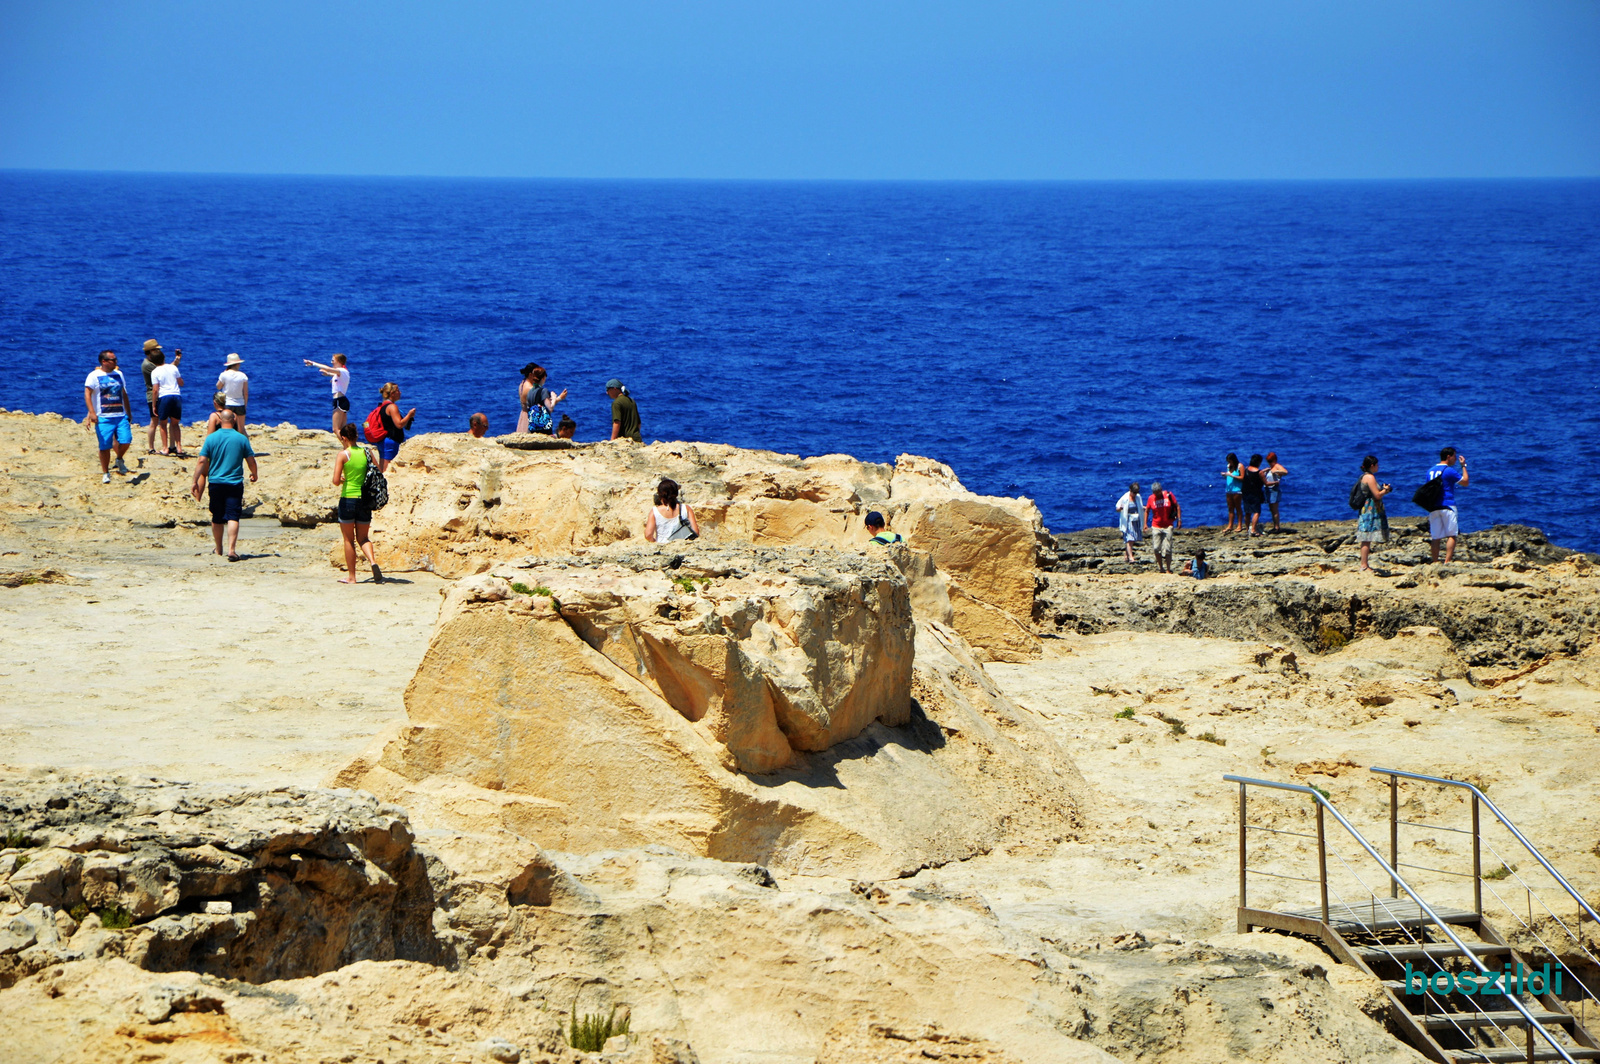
pixel 742 703
pixel 458 504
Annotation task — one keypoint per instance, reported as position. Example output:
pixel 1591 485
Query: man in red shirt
pixel 1162 517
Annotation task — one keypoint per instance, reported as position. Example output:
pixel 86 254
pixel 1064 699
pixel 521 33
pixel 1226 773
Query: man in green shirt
pixel 879 536
pixel 624 412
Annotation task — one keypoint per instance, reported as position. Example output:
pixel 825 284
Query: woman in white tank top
pixel 670 519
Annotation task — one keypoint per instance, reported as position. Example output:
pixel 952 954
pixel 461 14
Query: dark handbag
pixel 1358 494
pixel 374 487
pixel 1431 495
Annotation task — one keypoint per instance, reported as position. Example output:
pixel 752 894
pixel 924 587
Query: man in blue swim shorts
pixel 222 460
pixel 105 394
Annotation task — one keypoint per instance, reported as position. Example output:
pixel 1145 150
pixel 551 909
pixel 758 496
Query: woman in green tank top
pixel 355 512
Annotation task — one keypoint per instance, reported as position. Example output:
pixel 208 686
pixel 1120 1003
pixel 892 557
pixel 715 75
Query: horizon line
pixel 1504 178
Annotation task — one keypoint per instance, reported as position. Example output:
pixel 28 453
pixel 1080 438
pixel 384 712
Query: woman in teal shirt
pixel 355 512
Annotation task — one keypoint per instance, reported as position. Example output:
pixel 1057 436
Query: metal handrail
pixel 1394 877
pixel 1498 815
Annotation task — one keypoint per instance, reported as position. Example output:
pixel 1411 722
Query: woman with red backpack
pixel 386 427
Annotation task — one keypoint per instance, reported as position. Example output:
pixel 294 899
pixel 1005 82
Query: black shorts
pixel 355 511
pixel 341 402
pixel 227 500
pixel 238 411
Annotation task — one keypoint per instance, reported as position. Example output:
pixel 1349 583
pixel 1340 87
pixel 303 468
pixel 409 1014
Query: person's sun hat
pixel 151 345
pixel 874 519
pixel 235 360
pixel 613 383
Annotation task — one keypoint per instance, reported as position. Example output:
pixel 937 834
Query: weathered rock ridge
pixel 249 885
pixel 743 703
pixel 457 505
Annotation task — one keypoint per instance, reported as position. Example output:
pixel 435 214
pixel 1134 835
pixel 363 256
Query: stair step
pixel 1449 1020
pixel 1433 949
pixel 1541 1051
pixel 1383 914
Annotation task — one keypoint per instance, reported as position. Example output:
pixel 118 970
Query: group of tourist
pixel 226 452
pixel 1259 483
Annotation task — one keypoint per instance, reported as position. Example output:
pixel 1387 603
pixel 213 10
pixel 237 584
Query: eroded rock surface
pixel 748 704
pixel 252 885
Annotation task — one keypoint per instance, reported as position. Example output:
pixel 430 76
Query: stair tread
pixel 1471 1019
pixel 1511 1056
pixel 1432 949
pixel 1382 914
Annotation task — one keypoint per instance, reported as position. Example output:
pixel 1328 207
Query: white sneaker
pixel 105 478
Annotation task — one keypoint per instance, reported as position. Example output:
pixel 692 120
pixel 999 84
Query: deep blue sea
pixel 1047 340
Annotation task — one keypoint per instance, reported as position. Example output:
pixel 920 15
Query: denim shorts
pixel 355 511
pixel 1274 493
pixel 169 406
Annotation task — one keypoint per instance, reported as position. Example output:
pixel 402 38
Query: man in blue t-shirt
pixel 1442 523
pixel 222 460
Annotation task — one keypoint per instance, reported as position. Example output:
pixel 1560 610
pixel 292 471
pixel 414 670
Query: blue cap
pixel 874 519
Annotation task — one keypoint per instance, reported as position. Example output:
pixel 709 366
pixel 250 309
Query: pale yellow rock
pixel 757 711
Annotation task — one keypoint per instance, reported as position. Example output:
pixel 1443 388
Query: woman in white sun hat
pixel 235 389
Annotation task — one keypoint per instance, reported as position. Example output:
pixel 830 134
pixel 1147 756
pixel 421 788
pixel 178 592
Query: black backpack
pixel 1431 495
pixel 374 488
pixel 1358 495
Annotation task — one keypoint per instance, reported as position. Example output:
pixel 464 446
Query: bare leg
pixel 371 552
pixel 1449 549
pixel 151 435
pixel 176 434
pixel 122 449
pixel 348 532
pixel 1433 545
pixel 339 418
pixel 233 538
pixel 1366 549
pixel 105 461
pixel 216 537
pixel 1275 517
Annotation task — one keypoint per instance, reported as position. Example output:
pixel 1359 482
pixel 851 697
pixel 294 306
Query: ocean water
pixel 1048 340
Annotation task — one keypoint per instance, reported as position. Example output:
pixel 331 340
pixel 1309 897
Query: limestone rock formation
pixel 748 704
pixel 459 504
pixel 248 885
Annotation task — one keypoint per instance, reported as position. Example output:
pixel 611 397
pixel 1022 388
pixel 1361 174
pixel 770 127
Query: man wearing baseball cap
pixel 624 412
pixel 879 535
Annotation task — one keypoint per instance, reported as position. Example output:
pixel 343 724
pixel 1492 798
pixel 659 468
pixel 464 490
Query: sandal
pixel 234 558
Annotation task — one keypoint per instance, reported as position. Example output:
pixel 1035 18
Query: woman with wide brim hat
pixel 235 389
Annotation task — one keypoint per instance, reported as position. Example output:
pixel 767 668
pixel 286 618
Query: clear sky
pixel 937 90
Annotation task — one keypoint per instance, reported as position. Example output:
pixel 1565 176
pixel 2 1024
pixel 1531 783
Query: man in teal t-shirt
pixel 222 460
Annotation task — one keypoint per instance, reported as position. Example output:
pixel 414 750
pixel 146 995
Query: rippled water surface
pixel 1048 340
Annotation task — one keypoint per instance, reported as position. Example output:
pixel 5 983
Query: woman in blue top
pixel 1235 495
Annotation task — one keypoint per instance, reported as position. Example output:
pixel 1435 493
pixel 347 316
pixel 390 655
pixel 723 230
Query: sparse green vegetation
pixel 1330 638
pixel 78 912
pixel 589 1032
pixel 684 584
pixel 1126 714
pixel 1211 737
pixel 22 862
pixel 521 588
pixel 1178 727
pixel 115 918
pixel 15 839
pixel 1325 795
pixel 1500 873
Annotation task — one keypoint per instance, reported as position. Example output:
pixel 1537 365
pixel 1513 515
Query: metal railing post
pixel 1322 862
pixel 1477 862
pixel 1394 833
pixel 1244 928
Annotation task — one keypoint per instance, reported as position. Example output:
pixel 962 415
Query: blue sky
pixel 1142 89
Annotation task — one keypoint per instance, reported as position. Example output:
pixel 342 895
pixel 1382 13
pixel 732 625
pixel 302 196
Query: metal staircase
pixel 1428 955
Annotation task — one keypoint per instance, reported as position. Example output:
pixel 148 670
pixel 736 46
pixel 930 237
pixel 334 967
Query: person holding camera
pixel 1373 524
pixel 1442 523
